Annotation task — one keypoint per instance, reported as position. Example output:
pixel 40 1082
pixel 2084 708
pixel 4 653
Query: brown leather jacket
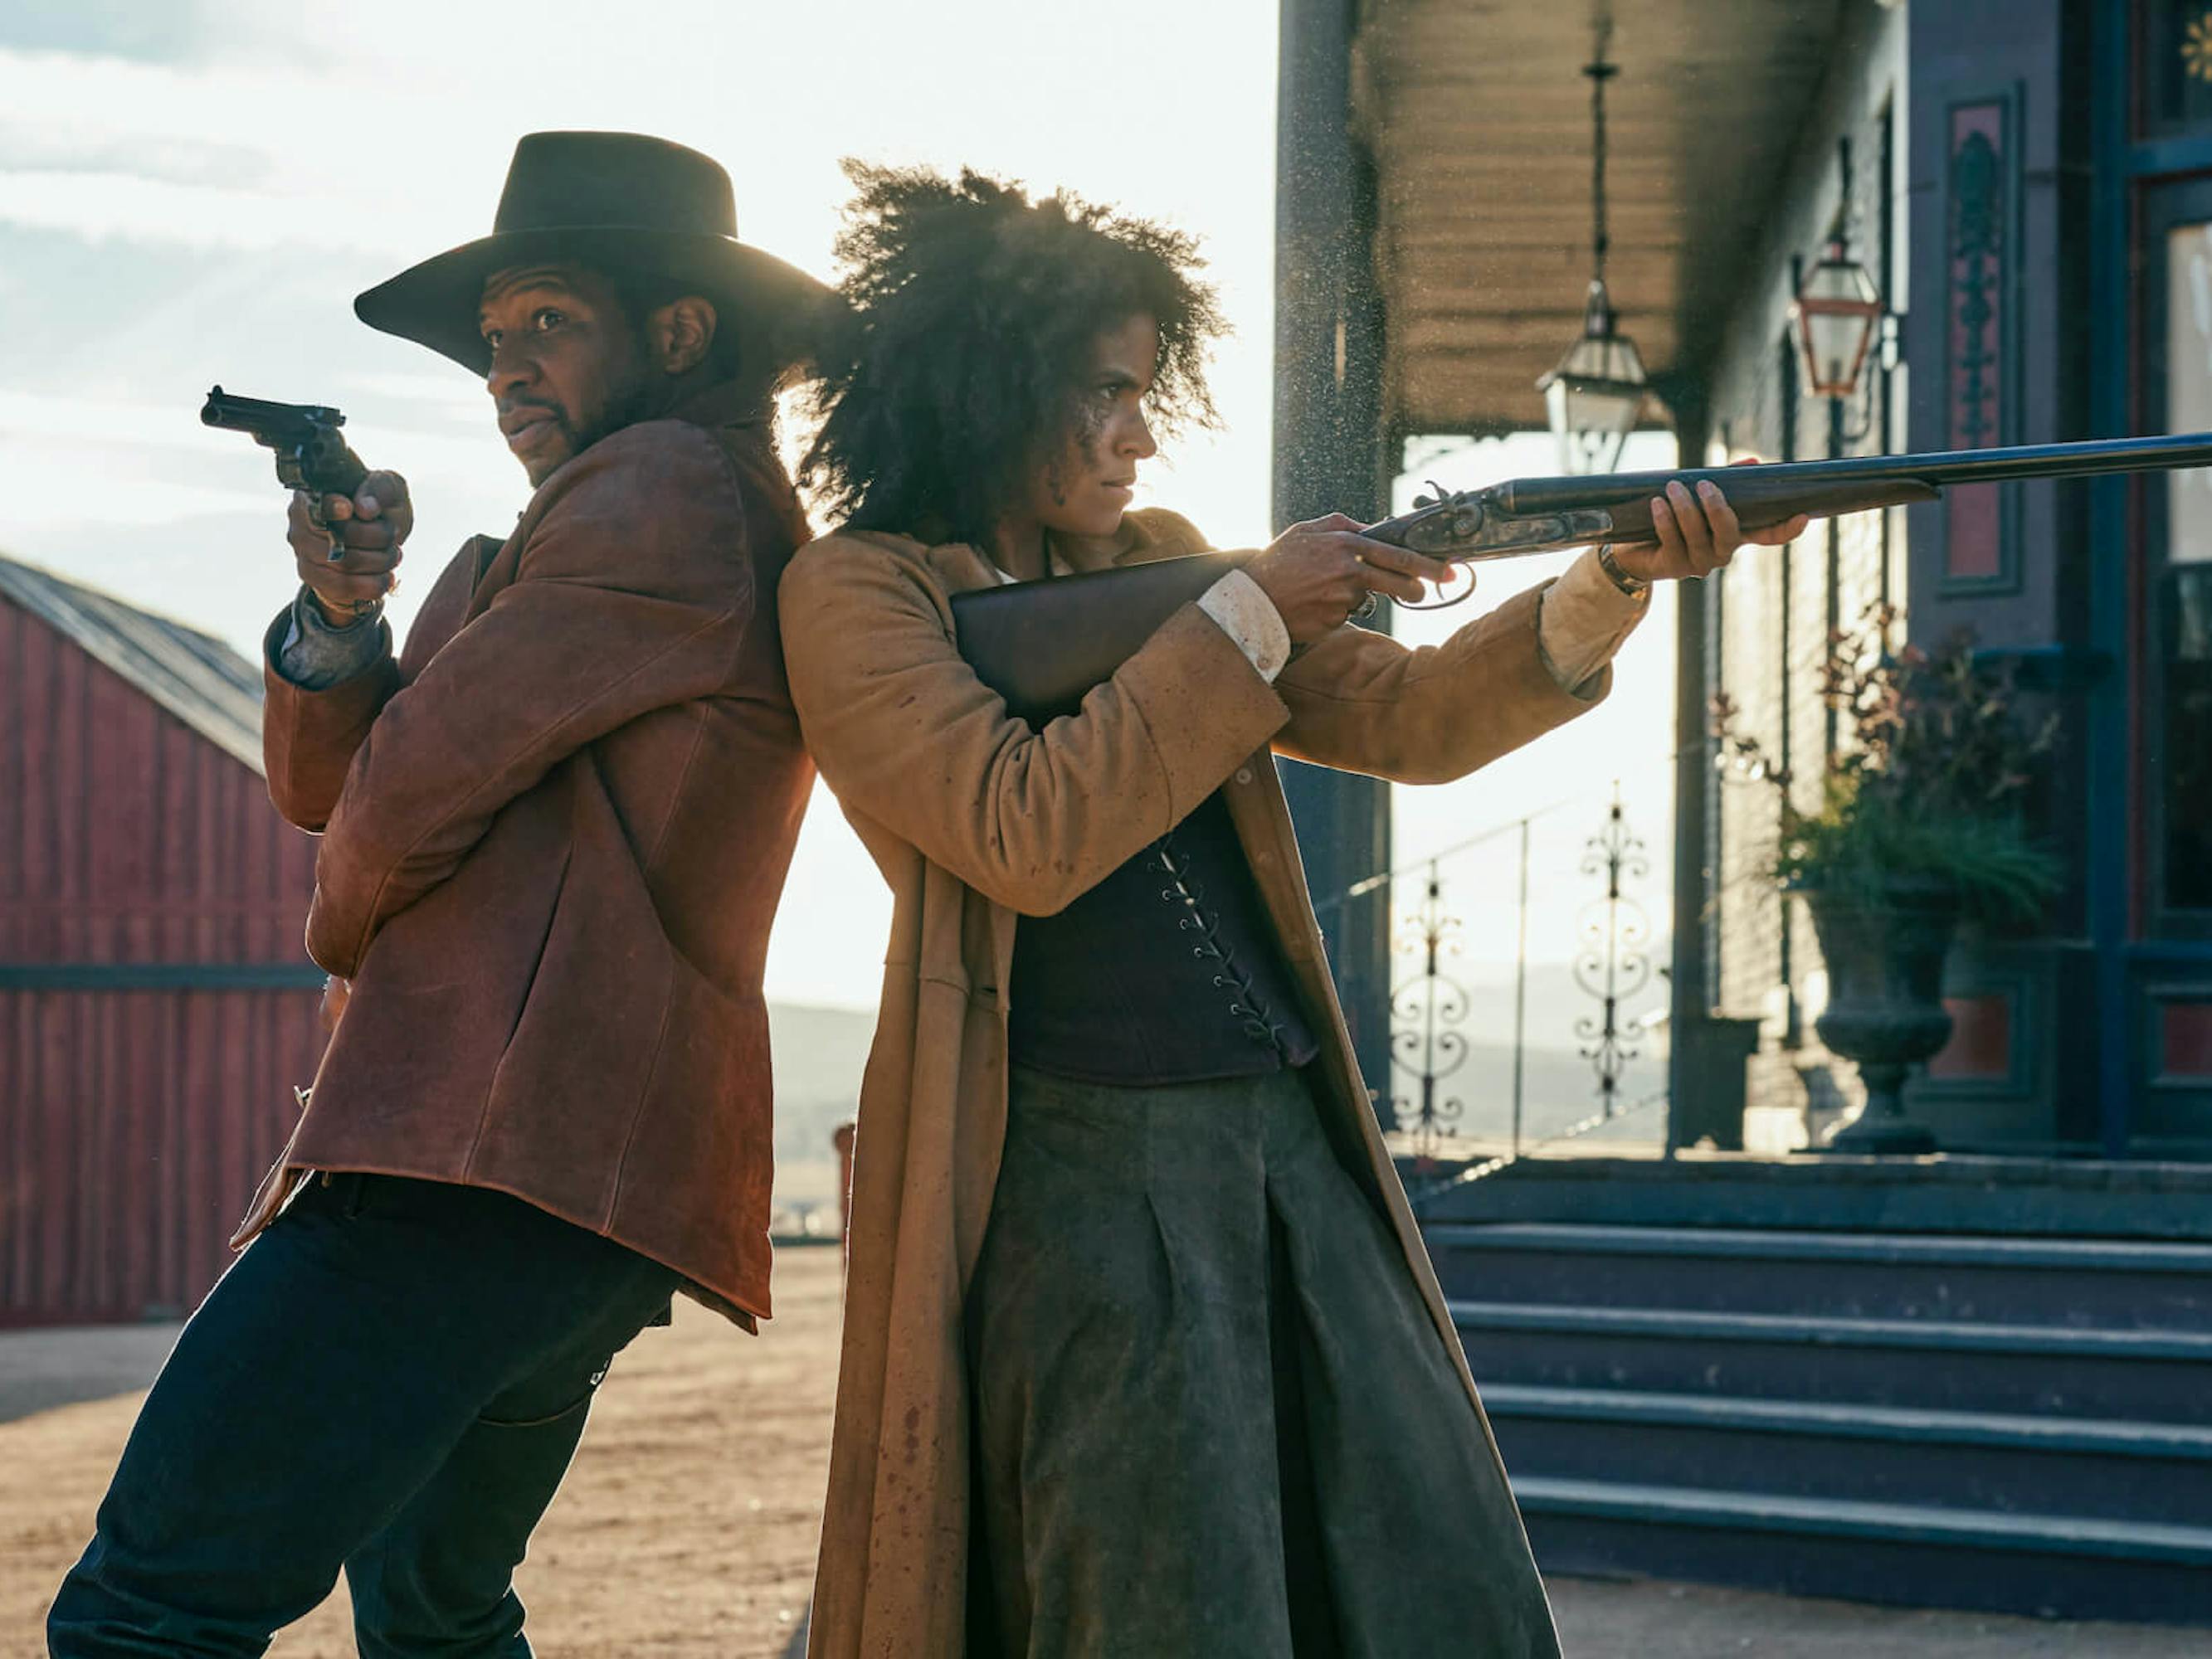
pixel 555 830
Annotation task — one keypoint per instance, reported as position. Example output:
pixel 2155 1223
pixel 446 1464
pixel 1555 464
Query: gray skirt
pixel 1213 1415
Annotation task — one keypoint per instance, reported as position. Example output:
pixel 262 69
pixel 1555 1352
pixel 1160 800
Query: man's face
pixel 566 364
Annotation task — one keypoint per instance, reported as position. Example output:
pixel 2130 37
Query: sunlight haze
pixel 194 192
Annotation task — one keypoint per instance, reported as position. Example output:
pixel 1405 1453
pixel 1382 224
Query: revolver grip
pixel 323 466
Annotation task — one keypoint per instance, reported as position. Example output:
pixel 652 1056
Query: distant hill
pixel 821 1052
pixel 819 1055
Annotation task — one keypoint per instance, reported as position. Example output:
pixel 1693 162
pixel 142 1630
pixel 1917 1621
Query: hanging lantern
pixel 1597 395
pixel 1835 315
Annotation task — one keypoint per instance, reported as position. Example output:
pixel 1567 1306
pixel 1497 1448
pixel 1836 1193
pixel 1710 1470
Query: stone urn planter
pixel 1885 1008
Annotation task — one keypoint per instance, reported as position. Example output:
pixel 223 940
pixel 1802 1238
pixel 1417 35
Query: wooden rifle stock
pixel 1043 645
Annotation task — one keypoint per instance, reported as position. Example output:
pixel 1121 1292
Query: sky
pixel 192 192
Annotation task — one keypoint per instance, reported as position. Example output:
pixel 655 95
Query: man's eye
pixel 547 319
pixel 493 336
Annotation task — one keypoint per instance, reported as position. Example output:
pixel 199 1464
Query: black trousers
pixel 391 1380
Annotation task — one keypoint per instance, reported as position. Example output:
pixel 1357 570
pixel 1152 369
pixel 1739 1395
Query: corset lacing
pixel 1246 1006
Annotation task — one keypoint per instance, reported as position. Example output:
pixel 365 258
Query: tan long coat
pixel 976 820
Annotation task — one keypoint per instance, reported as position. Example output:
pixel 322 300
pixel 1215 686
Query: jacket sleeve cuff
pixel 1240 607
pixel 1583 620
pixel 1203 707
pixel 315 656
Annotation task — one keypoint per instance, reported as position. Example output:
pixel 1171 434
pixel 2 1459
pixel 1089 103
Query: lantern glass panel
pixel 1594 400
pixel 1838 310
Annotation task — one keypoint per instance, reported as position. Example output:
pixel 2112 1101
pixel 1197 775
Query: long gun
pixel 1043 645
pixel 310 454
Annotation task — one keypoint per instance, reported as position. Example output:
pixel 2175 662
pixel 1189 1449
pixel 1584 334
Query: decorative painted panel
pixel 1981 366
pixel 2185 1042
pixel 1981 1047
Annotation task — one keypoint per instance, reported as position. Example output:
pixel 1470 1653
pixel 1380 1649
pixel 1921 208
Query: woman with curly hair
pixel 1143 1355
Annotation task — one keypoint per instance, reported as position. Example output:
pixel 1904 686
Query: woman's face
pixel 1085 490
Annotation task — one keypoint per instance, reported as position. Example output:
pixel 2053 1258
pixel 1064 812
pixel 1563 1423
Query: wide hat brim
pixel 773 307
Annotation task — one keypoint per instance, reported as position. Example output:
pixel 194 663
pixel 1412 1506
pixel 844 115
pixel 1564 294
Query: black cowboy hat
pixel 613 202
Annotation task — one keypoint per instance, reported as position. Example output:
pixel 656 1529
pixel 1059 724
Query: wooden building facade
pixel 2030 193
pixel 156 1006
pixel 1972 1379
pixel 2027 182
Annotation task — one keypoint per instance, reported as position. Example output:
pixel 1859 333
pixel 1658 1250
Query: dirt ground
pixel 687 1527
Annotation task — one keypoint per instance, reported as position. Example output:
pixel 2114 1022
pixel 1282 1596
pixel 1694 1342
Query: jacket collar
pixel 727 403
pixel 1078 554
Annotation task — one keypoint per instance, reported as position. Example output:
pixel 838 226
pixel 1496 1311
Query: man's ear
pixel 682 333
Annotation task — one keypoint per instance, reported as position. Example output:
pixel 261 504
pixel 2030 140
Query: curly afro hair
pixel 973 315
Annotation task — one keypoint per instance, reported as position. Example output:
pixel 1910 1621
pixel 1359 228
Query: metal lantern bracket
pixel 1597 395
pixel 1837 313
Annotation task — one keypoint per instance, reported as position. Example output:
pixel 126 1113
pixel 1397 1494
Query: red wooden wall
pixel 156 1008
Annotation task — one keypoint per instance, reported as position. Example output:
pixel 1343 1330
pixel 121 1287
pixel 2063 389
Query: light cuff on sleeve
pixel 1584 618
pixel 1242 609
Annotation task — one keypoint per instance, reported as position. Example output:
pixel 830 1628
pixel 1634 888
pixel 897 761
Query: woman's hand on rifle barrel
pixel 1698 534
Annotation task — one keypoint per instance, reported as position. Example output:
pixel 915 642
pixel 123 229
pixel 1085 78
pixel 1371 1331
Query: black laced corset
pixel 1165 972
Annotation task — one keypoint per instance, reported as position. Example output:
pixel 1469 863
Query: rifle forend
pixel 1043 645
pixel 1542 515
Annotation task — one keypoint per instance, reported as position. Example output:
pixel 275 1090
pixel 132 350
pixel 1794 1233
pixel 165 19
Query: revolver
pixel 310 454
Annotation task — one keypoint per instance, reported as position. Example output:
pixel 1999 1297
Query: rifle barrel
pixel 1943 468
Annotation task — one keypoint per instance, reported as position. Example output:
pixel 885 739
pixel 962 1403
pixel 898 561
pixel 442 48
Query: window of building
pixel 2173 45
pixel 2179 776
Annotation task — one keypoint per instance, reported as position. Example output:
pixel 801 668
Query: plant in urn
pixel 1920 826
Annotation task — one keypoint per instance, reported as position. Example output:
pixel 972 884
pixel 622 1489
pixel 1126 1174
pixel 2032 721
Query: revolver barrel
pixel 310 454
pixel 258 415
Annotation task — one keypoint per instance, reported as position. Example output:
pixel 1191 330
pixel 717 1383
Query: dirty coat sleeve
pixel 1362 702
pixel 903 731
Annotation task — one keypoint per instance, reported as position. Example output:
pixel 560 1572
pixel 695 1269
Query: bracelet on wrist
pixel 1634 586
pixel 339 615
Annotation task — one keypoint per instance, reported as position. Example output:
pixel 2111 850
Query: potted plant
pixel 1922 824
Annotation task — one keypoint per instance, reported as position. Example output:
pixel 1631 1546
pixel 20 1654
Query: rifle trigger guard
pixel 1459 598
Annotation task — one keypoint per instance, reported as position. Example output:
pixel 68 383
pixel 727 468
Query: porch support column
pixel 1330 456
pixel 1705 1055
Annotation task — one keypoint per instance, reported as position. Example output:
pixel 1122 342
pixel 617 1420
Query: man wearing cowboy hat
pixel 555 828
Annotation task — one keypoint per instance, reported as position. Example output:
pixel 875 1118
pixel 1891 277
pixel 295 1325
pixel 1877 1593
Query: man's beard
pixel 646 398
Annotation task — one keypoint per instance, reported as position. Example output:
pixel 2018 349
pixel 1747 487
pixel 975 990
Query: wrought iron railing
pixel 1425 1013
pixel 1615 964
pixel 1611 965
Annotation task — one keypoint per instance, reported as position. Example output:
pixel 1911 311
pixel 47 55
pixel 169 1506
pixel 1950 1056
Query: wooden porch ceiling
pixel 1478 118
